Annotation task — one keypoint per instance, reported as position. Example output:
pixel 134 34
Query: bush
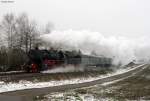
pixel 12 59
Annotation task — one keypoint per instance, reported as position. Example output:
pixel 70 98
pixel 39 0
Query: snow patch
pixel 5 87
pixel 72 96
pixel 1 82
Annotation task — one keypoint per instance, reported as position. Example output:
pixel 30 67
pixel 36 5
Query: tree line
pixel 18 34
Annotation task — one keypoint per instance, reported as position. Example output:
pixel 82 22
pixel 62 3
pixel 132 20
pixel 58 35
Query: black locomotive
pixel 47 59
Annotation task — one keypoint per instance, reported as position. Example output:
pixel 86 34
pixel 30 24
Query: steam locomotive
pixel 40 60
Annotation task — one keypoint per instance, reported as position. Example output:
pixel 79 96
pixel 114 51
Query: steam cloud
pixel 121 49
pixel 64 69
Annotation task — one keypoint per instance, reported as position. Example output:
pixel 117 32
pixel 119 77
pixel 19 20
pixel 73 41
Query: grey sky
pixel 110 17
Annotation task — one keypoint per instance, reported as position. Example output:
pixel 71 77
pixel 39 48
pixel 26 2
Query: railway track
pixel 23 76
pixel 16 76
pixel 39 91
pixel 11 73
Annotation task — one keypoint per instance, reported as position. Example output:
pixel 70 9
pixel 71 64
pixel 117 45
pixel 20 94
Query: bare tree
pixel 21 34
pixel 48 28
pixel 9 28
pixel 27 31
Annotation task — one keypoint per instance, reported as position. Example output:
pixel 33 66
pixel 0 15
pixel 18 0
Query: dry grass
pixel 134 88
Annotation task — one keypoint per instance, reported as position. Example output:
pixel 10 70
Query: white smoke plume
pixel 65 69
pixel 121 49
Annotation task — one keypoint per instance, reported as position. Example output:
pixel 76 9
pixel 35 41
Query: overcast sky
pixel 111 17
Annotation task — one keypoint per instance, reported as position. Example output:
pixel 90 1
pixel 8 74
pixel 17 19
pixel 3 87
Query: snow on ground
pixel 1 82
pixel 72 96
pixel 11 72
pixel 90 97
pixel 5 87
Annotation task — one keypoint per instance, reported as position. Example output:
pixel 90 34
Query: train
pixel 42 59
